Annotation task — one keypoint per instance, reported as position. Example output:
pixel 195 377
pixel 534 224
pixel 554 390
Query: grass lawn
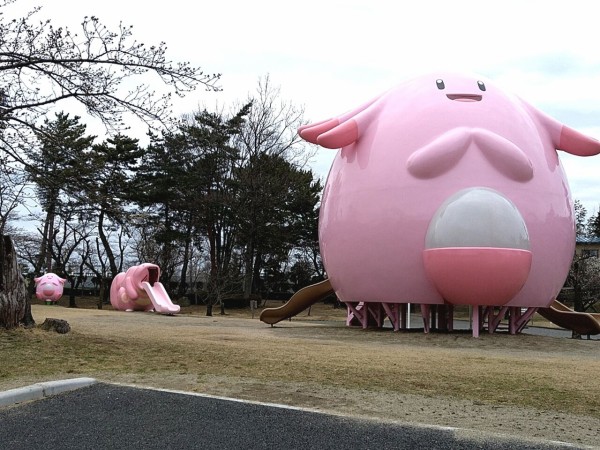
pixel 314 361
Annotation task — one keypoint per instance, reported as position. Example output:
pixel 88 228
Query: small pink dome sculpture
pixel 49 287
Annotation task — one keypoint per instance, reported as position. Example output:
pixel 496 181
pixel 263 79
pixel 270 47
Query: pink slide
pixel 159 298
pixel 138 289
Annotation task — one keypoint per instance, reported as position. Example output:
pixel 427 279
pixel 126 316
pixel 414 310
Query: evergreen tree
pixel 593 225
pixel 163 184
pixel 106 184
pixel 43 65
pixel 580 218
pixel 272 158
pixel 277 200
pixel 212 193
pixel 54 168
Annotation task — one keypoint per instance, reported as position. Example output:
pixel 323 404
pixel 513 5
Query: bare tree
pixel 271 127
pixel 584 279
pixel 268 142
pixel 107 71
pixel 13 293
pixel 13 193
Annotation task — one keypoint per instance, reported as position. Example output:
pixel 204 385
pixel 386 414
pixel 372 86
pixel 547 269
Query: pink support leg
pixel 376 310
pixel 392 311
pixel 356 313
pixel 425 313
pixel 519 319
pixel 476 321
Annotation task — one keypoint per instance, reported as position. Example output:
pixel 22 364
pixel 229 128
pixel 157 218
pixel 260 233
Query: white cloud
pixel 333 55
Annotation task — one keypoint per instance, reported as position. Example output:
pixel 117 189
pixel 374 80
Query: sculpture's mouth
pixel 153 275
pixel 465 97
pixel 477 249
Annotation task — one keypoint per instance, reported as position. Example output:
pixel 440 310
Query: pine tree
pixel 55 169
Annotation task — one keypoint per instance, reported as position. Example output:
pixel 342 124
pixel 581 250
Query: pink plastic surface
pixel 49 287
pixel 138 289
pixel 406 153
pixel 477 276
pixel 159 298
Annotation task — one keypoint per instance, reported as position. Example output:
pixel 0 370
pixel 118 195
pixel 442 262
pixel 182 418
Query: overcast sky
pixel 331 56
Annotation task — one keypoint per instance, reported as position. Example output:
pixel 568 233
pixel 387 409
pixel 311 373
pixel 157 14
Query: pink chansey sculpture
pixel 138 289
pixel 49 287
pixel 447 191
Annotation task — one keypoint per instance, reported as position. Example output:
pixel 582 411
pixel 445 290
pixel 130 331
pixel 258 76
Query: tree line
pixel 583 280
pixel 224 203
pixel 219 200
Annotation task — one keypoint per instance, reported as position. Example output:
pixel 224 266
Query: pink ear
pixel 572 141
pixel 563 137
pixel 310 125
pixel 37 280
pixel 340 136
pixel 340 131
pixel 310 133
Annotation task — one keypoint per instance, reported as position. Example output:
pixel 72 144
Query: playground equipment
pixel 563 316
pixel 138 289
pixel 446 191
pixel 299 302
pixel 49 288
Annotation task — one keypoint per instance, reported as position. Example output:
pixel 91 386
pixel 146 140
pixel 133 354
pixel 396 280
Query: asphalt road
pixel 105 416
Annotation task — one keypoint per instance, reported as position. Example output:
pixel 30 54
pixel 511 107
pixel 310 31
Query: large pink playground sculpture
pixel 49 288
pixel 446 191
pixel 138 289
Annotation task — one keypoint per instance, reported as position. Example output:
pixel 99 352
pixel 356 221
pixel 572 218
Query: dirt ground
pixel 309 338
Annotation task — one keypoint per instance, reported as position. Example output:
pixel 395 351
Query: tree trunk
pixel 48 254
pixel 182 288
pixel 72 303
pixel 249 270
pixel 255 285
pixel 578 299
pixel 58 325
pixel 107 248
pixel 15 307
pixel 30 287
pixel 101 294
pixel 45 257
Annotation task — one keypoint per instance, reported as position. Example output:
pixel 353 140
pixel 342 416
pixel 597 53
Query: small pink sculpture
pixel 138 289
pixel 447 190
pixel 49 287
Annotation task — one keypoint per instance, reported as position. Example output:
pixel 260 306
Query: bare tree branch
pixel 107 71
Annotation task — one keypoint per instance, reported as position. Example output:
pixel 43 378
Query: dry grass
pixel 311 361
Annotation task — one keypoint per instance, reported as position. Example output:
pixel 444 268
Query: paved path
pixel 105 416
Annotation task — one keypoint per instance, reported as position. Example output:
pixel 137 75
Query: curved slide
pixel 159 298
pixel 301 300
pixel 563 316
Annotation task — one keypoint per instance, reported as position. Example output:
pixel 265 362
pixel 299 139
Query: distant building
pixel 587 246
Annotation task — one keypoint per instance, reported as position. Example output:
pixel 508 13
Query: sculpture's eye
pixel 481 85
pixel 440 83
